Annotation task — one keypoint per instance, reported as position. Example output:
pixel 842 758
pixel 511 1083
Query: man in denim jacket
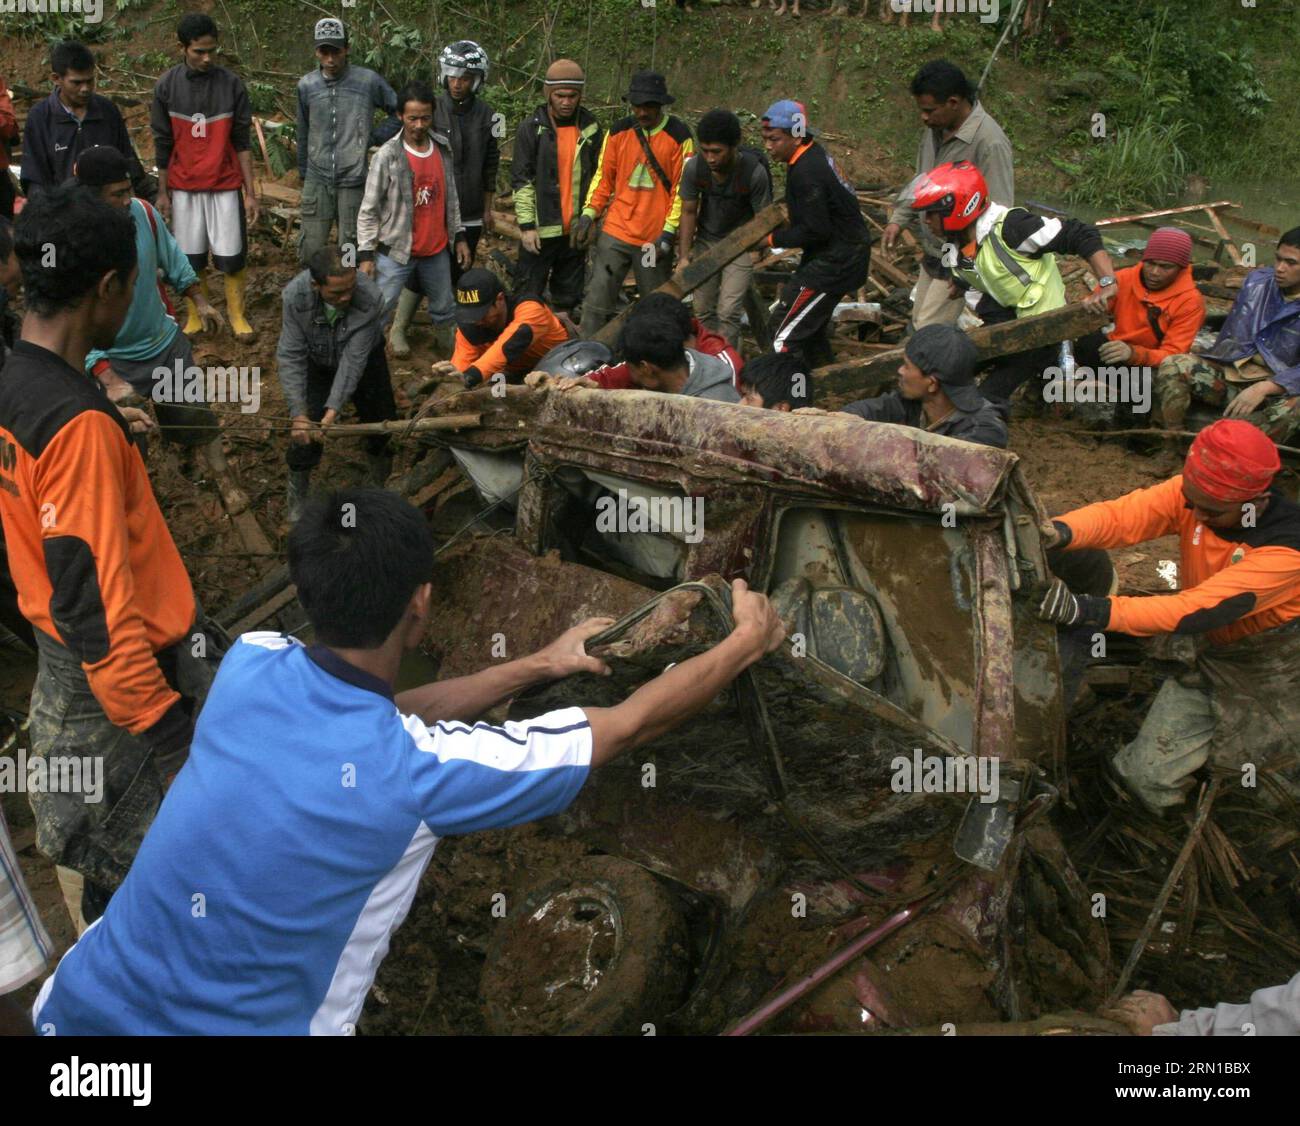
pixel 336 111
pixel 331 352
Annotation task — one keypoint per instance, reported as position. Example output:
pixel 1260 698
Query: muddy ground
pixel 429 983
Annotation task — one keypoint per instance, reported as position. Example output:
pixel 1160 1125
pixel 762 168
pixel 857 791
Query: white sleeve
pixel 1270 1012
pixel 471 777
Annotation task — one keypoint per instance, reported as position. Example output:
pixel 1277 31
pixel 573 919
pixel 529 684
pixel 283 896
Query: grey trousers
pixel 321 205
pixel 720 302
pixel 610 262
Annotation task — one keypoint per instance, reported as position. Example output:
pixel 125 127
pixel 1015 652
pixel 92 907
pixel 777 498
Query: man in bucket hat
pixel 635 189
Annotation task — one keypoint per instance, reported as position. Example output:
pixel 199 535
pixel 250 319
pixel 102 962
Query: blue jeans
pixel 432 277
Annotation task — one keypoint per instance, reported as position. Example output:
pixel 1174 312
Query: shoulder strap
pixel 651 159
pixel 1153 319
pixel 1005 257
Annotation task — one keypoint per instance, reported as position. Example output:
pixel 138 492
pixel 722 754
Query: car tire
pixel 602 951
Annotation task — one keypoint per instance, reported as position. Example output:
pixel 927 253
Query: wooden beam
pixel 711 262
pixel 1254 225
pixel 1120 219
pixel 866 377
pixel 1222 231
pixel 892 272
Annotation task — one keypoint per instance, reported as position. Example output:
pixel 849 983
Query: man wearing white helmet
pixel 474 130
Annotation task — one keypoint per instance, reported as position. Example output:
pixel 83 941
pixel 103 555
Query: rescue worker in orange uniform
pixel 1239 540
pixel 496 333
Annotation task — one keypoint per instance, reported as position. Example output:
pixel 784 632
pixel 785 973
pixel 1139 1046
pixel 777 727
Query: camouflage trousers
pixel 1185 377
pixel 96 829
pixel 1238 707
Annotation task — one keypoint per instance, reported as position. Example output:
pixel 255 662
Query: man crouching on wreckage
pixel 291 845
pixel 1239 540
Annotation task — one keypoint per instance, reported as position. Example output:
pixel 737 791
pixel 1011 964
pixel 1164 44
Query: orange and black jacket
pixel 532 331
pixel 1235 581
pixel 1158 323
pixel 89 551
pixel 640 207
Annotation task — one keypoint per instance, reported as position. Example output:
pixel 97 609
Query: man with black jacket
pixel 554 161
pixel 72 119
pixel 825 222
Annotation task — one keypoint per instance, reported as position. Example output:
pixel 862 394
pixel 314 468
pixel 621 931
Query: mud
pixel 930 973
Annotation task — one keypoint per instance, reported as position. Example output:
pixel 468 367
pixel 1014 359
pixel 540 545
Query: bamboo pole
pixel 1208 794
pixel 1120 219
pixel 398 425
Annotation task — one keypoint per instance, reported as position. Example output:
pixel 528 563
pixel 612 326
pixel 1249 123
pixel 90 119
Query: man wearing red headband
pixel 1239 541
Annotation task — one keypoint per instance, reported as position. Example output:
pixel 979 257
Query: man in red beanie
pixel 1239 542
pixel 1253 368
pixel 1158 309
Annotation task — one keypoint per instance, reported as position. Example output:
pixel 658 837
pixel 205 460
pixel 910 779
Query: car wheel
pixel 601 951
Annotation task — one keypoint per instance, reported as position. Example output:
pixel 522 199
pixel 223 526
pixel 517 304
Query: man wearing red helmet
pixel 1009 255
pixel 1239 541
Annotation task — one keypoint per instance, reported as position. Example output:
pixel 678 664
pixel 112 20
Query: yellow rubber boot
pixel 235 306
pixel 193 322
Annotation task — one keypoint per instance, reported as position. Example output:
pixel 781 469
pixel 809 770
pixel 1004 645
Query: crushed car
pixel 887 770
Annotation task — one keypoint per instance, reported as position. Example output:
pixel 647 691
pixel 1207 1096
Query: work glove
pixel 664 246
pixel 1060 606
pixel 581 231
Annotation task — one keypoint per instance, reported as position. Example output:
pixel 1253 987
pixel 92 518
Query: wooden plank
pixel 892 272
pixel 1120 219
pixel 866 377
pixel 1253 225
pixel 264 611
pixel 281 193
pixel 704 266
pixel 448 478
pixel 1222 231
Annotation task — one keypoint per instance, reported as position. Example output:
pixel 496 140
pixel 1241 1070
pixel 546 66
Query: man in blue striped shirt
pixel 291 845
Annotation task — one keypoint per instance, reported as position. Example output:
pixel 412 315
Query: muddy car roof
pixel 832 455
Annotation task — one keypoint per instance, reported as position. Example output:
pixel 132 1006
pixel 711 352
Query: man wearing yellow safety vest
pixel 1008 255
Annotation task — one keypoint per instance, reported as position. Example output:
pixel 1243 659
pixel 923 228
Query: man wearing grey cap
pixel 937 392
pixel 336 112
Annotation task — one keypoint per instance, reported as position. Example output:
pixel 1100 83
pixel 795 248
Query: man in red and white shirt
pixel 409 223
